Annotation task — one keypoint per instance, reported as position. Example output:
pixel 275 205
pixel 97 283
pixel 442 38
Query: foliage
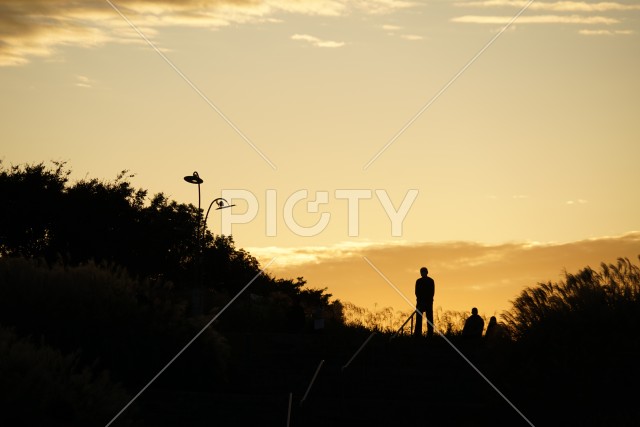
pixel 98 267
pixel 605 301
pixel 43 215
pixel 451 322
pixel 41 386
pixel 578 345
pixel 380 320
pixel 447 322
pixel 30 200
pixel 129 327
pixel 46 216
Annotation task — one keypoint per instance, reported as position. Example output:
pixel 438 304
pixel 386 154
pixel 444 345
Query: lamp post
pixel 202 227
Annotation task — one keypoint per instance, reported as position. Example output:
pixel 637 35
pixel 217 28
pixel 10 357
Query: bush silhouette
pixel 128 327
pixel 578 346
pixel 39 385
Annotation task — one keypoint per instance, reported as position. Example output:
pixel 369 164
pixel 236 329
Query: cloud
pixel 412 37
pixel 559 6
pixel 576 202
pixel 310 7
pixel 25 32
pixel 84 82
pixel 562 12
pixel 606 32
pixel 537 19
pixel 497 272
pixel 315 41
pixel 381 7
pixel 393 29
pixel 302 255
pixel 38 28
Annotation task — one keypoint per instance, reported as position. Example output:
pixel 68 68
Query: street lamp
pixel 220 202
pixel 202 226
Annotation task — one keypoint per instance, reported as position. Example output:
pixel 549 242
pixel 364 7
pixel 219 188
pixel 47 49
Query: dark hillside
pixel 388 383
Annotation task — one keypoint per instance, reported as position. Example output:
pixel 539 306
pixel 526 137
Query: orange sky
pixel 519 137
pixel 466 274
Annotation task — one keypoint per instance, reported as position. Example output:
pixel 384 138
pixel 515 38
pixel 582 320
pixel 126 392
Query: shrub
pixel 41 386
pixel 129 327
pixel 578 345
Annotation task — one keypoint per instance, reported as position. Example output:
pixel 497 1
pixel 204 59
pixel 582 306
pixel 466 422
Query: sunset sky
pixel 519 140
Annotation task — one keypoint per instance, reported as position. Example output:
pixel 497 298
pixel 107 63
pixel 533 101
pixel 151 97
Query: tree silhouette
pixel 43 215
pixel 31 203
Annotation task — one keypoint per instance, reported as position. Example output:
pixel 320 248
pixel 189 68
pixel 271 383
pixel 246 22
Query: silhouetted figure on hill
pixel 473 326
pixel 425 290
pixel 492 327
pixel 495 332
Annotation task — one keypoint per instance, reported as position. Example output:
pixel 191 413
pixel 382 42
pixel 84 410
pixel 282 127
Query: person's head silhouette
pixel 474 310
pixel 424 271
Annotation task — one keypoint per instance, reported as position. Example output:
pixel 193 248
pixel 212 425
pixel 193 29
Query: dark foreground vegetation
pixel 101 286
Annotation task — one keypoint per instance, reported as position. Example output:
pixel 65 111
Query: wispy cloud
pixel 393 30
pixel 576 202
pixel 84 82
pixel 380 7
pixel 606 32
pixel 301 255
pixel 558 6
pixel 554 12
pixel 38 28
pixel 317 42
pixel 537 19
pixel 412 37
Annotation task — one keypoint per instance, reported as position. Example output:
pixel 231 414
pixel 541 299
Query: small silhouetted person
pixel 495 332
pixel 425 290
pixel 473 326
pixel 492 327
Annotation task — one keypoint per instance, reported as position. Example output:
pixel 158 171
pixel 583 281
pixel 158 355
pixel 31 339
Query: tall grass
pixel 575 359
pixel 609 298
pixel 386 320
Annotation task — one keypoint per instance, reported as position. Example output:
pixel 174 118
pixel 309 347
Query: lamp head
pixel 193 179
pixel 222 203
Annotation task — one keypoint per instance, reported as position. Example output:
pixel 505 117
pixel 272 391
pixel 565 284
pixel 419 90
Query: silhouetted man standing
pixel 473 326
pixel 425 290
